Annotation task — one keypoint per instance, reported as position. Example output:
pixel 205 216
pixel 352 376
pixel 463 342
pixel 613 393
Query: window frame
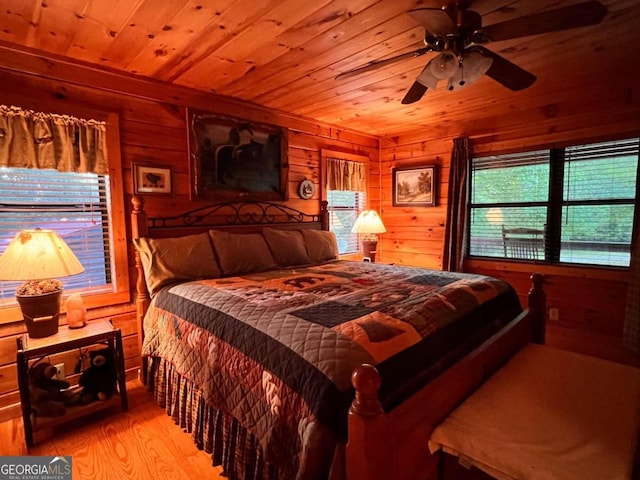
pixel 555 204
pixel 327 153
pixel 119 255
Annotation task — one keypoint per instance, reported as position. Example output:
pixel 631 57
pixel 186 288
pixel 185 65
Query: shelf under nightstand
pixel 95 332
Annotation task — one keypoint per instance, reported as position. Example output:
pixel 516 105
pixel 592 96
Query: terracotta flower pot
pixel 40 313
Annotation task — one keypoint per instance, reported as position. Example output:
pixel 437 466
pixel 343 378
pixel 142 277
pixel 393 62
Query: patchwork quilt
pixel 276 350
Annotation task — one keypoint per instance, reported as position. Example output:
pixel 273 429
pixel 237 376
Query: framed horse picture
pixel 231 158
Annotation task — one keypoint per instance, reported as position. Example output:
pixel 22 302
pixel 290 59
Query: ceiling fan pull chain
pixel 462 80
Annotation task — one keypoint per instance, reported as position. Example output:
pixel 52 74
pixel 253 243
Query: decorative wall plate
pixel 306 189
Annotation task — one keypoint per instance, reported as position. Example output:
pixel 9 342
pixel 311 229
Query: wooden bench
pixel 547 414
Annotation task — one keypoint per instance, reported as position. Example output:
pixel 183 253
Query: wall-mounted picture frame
pixel 414 186
pixel 232 158
pixel 152 179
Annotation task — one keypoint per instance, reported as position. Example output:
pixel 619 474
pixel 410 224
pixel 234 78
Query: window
pixel 344 208
pixel 75 205
pixel 344 186
pixel 86 209
pixel 573 205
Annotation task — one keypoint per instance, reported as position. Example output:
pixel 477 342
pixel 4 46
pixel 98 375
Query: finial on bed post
pixel 367 451
pixel 538 307
pixel 139 218
pixel 324 215
pixel 366 380
pixel 139 229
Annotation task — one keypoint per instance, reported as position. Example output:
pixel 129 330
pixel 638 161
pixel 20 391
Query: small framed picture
pixel 152 179
pixel 414 186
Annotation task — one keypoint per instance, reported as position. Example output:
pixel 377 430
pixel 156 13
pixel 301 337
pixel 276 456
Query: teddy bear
pixel 98 381
pixel 49 396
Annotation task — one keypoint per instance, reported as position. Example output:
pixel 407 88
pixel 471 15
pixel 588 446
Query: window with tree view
pixel 563 205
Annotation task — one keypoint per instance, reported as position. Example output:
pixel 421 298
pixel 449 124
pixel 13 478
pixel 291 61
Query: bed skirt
pixel 229 444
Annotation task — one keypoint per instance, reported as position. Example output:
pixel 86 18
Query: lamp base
pixel 41 313
pixel 369 249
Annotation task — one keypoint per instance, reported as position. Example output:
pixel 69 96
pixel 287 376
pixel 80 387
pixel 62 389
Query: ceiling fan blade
pixel 382 63
pixel 435 21
pixel 505 72
pixel 414 94
pixel 578 15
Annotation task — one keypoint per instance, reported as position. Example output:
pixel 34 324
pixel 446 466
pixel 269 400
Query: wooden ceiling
pixel 285 54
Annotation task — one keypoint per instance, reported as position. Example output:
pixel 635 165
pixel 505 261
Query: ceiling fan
pixel 458 35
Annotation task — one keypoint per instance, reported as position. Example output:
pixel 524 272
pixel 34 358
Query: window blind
pixel 581 197
pixel 344 208
pixel 75 205
pixel 598 197
pixel 507 192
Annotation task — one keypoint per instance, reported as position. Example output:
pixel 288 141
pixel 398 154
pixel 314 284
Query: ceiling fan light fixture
pixel 472 67
pixel 444 66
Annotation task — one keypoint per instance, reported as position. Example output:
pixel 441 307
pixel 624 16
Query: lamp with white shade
pixel 369 224
pixel 39 257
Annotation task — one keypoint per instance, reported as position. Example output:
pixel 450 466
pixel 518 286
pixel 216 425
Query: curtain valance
pixel 346 175
pixel 31 139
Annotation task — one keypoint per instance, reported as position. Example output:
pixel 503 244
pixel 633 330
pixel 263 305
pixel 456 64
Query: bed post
pixel 537 300
pixel 324 215
pixel 139 229
pixel 367 448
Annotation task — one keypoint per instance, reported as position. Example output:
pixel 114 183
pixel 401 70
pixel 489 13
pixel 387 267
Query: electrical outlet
pixel 61 374
pixel 554 314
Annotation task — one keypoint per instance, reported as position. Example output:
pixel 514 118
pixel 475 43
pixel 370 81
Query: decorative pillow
pixel 322 245
pixel 287 247
pixel 240 253
pixel 172 260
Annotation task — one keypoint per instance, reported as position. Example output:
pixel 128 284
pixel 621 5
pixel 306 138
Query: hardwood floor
pixel 142 443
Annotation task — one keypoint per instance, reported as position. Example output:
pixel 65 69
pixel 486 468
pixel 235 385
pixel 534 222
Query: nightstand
pixel 95 332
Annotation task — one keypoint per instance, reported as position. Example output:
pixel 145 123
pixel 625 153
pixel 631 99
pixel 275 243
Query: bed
pixel 283 361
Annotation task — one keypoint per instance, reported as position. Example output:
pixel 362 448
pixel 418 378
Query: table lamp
pixel 39 257
pixel 368 225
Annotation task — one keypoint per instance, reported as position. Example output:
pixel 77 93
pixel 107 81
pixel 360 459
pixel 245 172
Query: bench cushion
pixel 548 414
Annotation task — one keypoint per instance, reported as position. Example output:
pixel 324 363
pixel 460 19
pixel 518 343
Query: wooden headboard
pixel 238 216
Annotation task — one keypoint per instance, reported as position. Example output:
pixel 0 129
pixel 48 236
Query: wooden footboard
pixel 394 445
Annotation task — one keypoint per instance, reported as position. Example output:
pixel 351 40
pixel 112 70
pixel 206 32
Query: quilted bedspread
pixel 276 349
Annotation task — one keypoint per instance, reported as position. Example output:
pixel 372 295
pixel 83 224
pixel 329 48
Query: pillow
pixel 240 253
pixel 287 247
pixel 322 245
pixel 171 260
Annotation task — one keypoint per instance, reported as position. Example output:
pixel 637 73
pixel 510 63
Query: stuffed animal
pixel 49 396
pixel 98 381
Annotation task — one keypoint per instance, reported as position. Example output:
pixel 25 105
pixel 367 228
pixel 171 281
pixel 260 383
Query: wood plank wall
pixel 153 130
pixel 587 299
